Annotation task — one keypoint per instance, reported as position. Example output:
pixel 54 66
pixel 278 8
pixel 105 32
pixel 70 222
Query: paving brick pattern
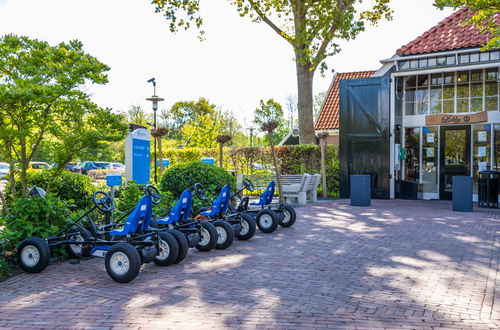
pixel 397 264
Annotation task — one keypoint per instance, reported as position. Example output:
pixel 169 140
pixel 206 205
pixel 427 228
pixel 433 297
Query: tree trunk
pixel 305 103
pixel 160 154
pixel 4 207
pixel 276 168
pixel 221 151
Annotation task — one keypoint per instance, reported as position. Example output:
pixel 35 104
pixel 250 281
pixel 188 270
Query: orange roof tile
pixel 449 34
pixel 329 115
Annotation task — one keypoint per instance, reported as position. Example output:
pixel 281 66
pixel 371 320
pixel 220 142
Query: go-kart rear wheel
pixel 168 250
pixel 208 239
pixel 123 262
pixel 182 242
pixel 267 221
pixel 289 216
pixel 33 255
pixel 248 227
pixel 78 251
pixel 225 234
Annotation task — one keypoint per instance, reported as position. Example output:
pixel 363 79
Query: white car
pixel 4 170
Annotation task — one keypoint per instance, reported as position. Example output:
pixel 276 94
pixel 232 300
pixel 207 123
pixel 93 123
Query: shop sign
pixel 475 118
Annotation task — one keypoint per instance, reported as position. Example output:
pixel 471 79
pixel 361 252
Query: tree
pixel 486 16
pixel 203 132
pixel 41 94
pixel 310 27
pixel 267 117
pixel 185 112
pixel 137 115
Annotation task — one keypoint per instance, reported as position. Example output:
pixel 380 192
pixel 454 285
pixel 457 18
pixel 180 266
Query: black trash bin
pixel 487 186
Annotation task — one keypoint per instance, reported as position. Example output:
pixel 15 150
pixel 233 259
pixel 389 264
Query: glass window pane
pixel 477 75
pixel 432 61
pixel 476 104
pixel 450 60
pixel 464 58
pixel 491 74
pixel 422 63
pixel 423 80
pixel 403 65
pixel 448 92
pixel 409 108
pixel 474 57
pixel 436 79
pixel 411 81
pixel 462 90
pixel 436 107
pixel 441 61
pixel 491 88
pixel 495 56
pixel 410 95
pixel 463 76
pixel 491 103
pixel 414 64
pixel 429 159
pixel 449 78
pixel 481 150
pixel 412 148
pixel 463 105
pixel 436 93
pixel 476 90
pixel 485 56
pixel 448 106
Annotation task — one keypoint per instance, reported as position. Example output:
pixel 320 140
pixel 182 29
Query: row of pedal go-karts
pixel 136 238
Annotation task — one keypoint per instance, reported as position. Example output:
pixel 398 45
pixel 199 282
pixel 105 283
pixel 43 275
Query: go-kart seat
pixel 267 196
pixel 180 211
pixel 138 221
pixel 221 204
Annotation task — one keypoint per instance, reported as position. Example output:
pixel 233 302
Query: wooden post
pixel 276 167
pixel 221 150
pixel 160 153
pixel 322 146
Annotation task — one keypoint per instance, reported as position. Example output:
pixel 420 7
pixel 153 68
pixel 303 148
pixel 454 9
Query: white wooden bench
pixel 295 186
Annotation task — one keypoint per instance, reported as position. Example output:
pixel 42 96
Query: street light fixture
pixel 154 99
pixel 251 129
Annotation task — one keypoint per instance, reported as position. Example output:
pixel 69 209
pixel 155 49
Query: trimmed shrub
pixel 30 217
pixel 74 188
pixel 183 176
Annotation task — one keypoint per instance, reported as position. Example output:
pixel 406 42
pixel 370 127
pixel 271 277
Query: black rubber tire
pixel 85 251
pixel 210 230
pixel 226 226
pixel 182 242
pixel 252 226
pixel 134 260
pixel 292 214
pixel 42 247
pixel 173 247
pixel 267 214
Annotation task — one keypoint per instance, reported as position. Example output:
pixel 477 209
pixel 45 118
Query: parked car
pixel 73 167
pixel 89 166
pixel 118 166
pixel 37 166
pixel 4 170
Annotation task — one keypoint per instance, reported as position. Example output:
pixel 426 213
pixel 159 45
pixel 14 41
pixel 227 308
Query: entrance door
pixel 454 157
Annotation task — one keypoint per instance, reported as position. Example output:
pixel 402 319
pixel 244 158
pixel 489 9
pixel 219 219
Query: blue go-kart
pixel 267 214
pixel 188 231
pixel 229 223
pixel 124 248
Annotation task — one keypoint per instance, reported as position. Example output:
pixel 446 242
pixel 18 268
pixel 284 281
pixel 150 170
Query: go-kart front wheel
pixel 208 239
pixel 78 251
pixel 267 221
pixel 123 262
pixel 225 234
pixel 248 227
pixel 33 255
pixel 182 242
pixel 168 250
pixel 289 216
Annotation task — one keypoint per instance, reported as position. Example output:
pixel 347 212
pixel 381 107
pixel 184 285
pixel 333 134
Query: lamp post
pixel 250 129
pixel 154 99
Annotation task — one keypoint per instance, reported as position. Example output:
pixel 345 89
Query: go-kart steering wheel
pixel 104 203
pixel 154 193
pixel 248 185
pixel 200 191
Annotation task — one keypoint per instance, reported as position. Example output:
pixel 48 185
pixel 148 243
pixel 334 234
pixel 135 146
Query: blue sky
pixel 239 63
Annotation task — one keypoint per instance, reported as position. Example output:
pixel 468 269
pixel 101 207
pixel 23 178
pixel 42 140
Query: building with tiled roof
pixel 328 118
pixel 430 114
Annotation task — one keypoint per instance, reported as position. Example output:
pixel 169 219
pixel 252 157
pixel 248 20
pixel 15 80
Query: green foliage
pixel 5 266
pixel 485 12
pixel 202 132
pixel 28 217
pixel 41 99
pixel 269 111
pixel 183 176
pixel 71 187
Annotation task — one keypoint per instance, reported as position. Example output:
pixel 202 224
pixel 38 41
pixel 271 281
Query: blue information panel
pixel 140 170
pixel 113 180
pixel 208 160
pixel 166 162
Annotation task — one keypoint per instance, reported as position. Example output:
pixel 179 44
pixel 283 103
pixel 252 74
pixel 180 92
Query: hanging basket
pixel 223 138
pixel 269 126
pixel 159 132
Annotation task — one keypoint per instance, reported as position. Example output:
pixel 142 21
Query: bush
pixel 30 217
pixel 71 187
pixel 183 176
pixel 127 196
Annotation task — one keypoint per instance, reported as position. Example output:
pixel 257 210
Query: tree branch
pixel 264 18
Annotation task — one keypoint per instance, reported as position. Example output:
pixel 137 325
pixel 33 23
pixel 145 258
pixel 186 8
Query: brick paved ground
pixel 409 264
